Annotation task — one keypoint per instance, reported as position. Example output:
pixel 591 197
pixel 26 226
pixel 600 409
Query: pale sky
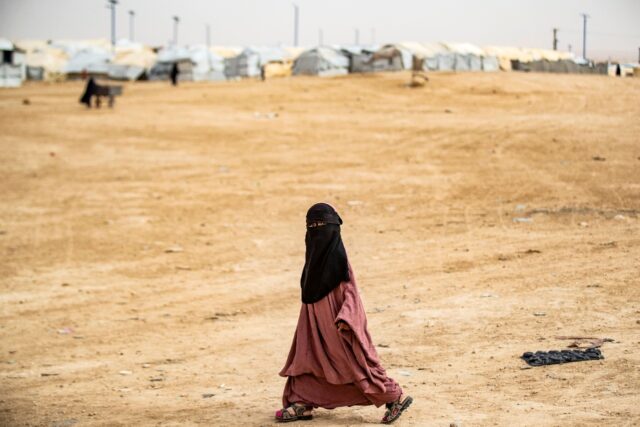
pixel 613 29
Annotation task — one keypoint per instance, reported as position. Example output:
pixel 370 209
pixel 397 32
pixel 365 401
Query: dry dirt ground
pixel 151 254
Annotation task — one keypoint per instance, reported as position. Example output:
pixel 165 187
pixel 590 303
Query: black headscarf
pixel 325 265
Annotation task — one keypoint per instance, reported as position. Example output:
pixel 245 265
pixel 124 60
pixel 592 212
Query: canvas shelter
pixel 360 58
pixel 43 61
pixel 12 64
pixel 250 61
pixel 391 57
pixel 132 61
pixel 195 63
pixel 321 61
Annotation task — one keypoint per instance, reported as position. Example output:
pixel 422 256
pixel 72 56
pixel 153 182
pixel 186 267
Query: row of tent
pixel 64 59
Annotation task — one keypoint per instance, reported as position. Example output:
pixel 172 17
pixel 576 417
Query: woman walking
pixel 332 361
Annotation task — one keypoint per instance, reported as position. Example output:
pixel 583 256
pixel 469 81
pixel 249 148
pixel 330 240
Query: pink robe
pixel 329 368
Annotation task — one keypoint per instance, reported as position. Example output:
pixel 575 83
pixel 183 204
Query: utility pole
pixel 296 17
pixel 584 35
pixel 208 35
pixel 569 47
pixel 639 55
pixel 112 6
pixel 555 39
pixel 320 37
pixel 176 20
pixel 357 37
pixel 132 15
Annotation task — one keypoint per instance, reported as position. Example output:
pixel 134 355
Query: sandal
pixel 284 416
pixel 395 409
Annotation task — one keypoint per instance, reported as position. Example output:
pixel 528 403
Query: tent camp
pixel 508 55
pixel 132 61
pixel 12 64
pixel 360 58
pixel 321 61
pixel 469 57
pixel 250 61
pixel 43 61
pixel 86 56
pixel 391 57
pixel 195 63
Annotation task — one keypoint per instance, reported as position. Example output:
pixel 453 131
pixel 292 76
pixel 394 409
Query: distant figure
pixel 174 74
pixel 89 91
pixel 263 72
pixel 618 70
pixel 418 75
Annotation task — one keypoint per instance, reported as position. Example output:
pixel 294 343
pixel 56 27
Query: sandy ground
pixel 151 254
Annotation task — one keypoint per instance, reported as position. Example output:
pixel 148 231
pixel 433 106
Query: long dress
pixel 328 368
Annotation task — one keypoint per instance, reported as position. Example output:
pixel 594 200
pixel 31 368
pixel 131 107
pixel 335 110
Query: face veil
pixel 325 265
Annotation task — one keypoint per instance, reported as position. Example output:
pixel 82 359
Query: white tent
pixel 195 63
pixel 43 61
pixel 321 61
pixel 86 56
pixel 250 61
pixel 132 61
pixel 12 64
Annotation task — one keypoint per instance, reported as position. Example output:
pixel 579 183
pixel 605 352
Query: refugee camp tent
pixel 391 57
pixel 132 61
pixel 467 57
pixel 250 61
pixel 43 61
pixel 437 57
pixel 91 57
pixel 12 64
pixel 226 51
pixel 195 63
pixel 321 61
pixel 360 58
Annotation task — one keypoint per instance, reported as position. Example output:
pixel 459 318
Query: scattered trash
pixel 522 219
pixel 49 374
pixel 26 101
pixel 65 331
pixel 174 249
pixel 269 116
pixel 64 285
pixel 598 159
pixel 532 251
pixel 405 373
pixel 583 224
pixel 553 357
pixel 620 217
pixel 354 202
pixel 183 267
pixel 383 345
pixel 156 379
pixel 585 342
pixel 146 365
pixel 207 395
pixel 448 111
pixel 125 372
pixel 487 295
pixel 64 423
pixel 539 313
pixel 520 208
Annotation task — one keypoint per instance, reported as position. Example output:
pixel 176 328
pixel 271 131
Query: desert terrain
pixel 151 253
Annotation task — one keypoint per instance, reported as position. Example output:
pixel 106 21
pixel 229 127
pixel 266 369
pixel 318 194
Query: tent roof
pixel 464 49
pixel 5 44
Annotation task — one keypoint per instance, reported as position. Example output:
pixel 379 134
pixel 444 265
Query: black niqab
pixel 325 264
